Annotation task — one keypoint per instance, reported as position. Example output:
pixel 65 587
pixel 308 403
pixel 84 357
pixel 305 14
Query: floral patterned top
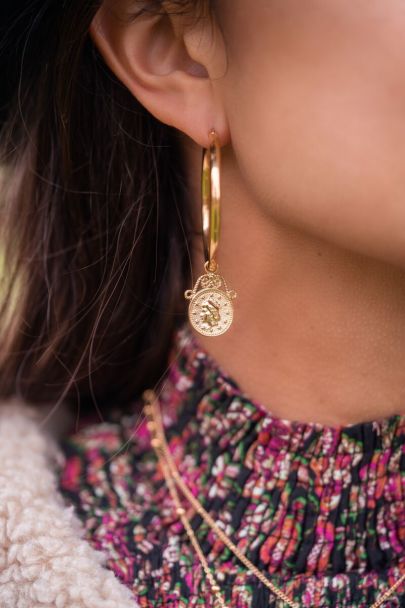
pixel 319 509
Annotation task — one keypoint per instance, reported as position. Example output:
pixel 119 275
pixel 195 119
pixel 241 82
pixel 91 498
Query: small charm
pixel 210 310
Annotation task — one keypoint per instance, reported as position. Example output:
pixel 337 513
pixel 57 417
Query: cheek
pixel 320 135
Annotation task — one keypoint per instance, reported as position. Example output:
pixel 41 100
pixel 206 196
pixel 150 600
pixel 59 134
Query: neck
pixel 319 331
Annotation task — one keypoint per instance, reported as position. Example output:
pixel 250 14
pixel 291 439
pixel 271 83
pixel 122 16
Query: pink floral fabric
pixel 319 509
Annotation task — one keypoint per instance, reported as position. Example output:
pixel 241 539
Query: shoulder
pixel 98 441
pixel 104 464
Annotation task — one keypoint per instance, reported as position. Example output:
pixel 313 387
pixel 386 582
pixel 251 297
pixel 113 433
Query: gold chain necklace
pixel 175 482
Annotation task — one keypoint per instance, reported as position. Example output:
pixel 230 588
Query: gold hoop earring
pixel 210 310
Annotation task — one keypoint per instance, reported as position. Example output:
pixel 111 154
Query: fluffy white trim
pixel 44 560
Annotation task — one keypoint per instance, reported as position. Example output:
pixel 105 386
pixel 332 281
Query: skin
pixel 308 99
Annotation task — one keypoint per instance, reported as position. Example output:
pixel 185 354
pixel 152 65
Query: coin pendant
pixel 210 312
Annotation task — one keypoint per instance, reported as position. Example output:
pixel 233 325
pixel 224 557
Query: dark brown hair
pixel 95 223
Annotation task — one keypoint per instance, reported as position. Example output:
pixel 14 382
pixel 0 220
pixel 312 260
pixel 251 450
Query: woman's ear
pixel 172 65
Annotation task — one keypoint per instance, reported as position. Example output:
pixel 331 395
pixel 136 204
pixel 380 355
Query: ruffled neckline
pixel 197 383
pixel 302 498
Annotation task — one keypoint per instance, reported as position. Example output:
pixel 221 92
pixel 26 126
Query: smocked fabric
pixel 319 509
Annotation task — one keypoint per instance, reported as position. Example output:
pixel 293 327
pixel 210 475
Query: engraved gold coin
pixel 210 312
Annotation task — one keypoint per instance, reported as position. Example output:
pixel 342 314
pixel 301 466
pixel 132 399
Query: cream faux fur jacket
pixel 44 560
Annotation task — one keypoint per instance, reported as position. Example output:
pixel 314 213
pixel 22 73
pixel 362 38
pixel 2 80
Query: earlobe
pixel 168 68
